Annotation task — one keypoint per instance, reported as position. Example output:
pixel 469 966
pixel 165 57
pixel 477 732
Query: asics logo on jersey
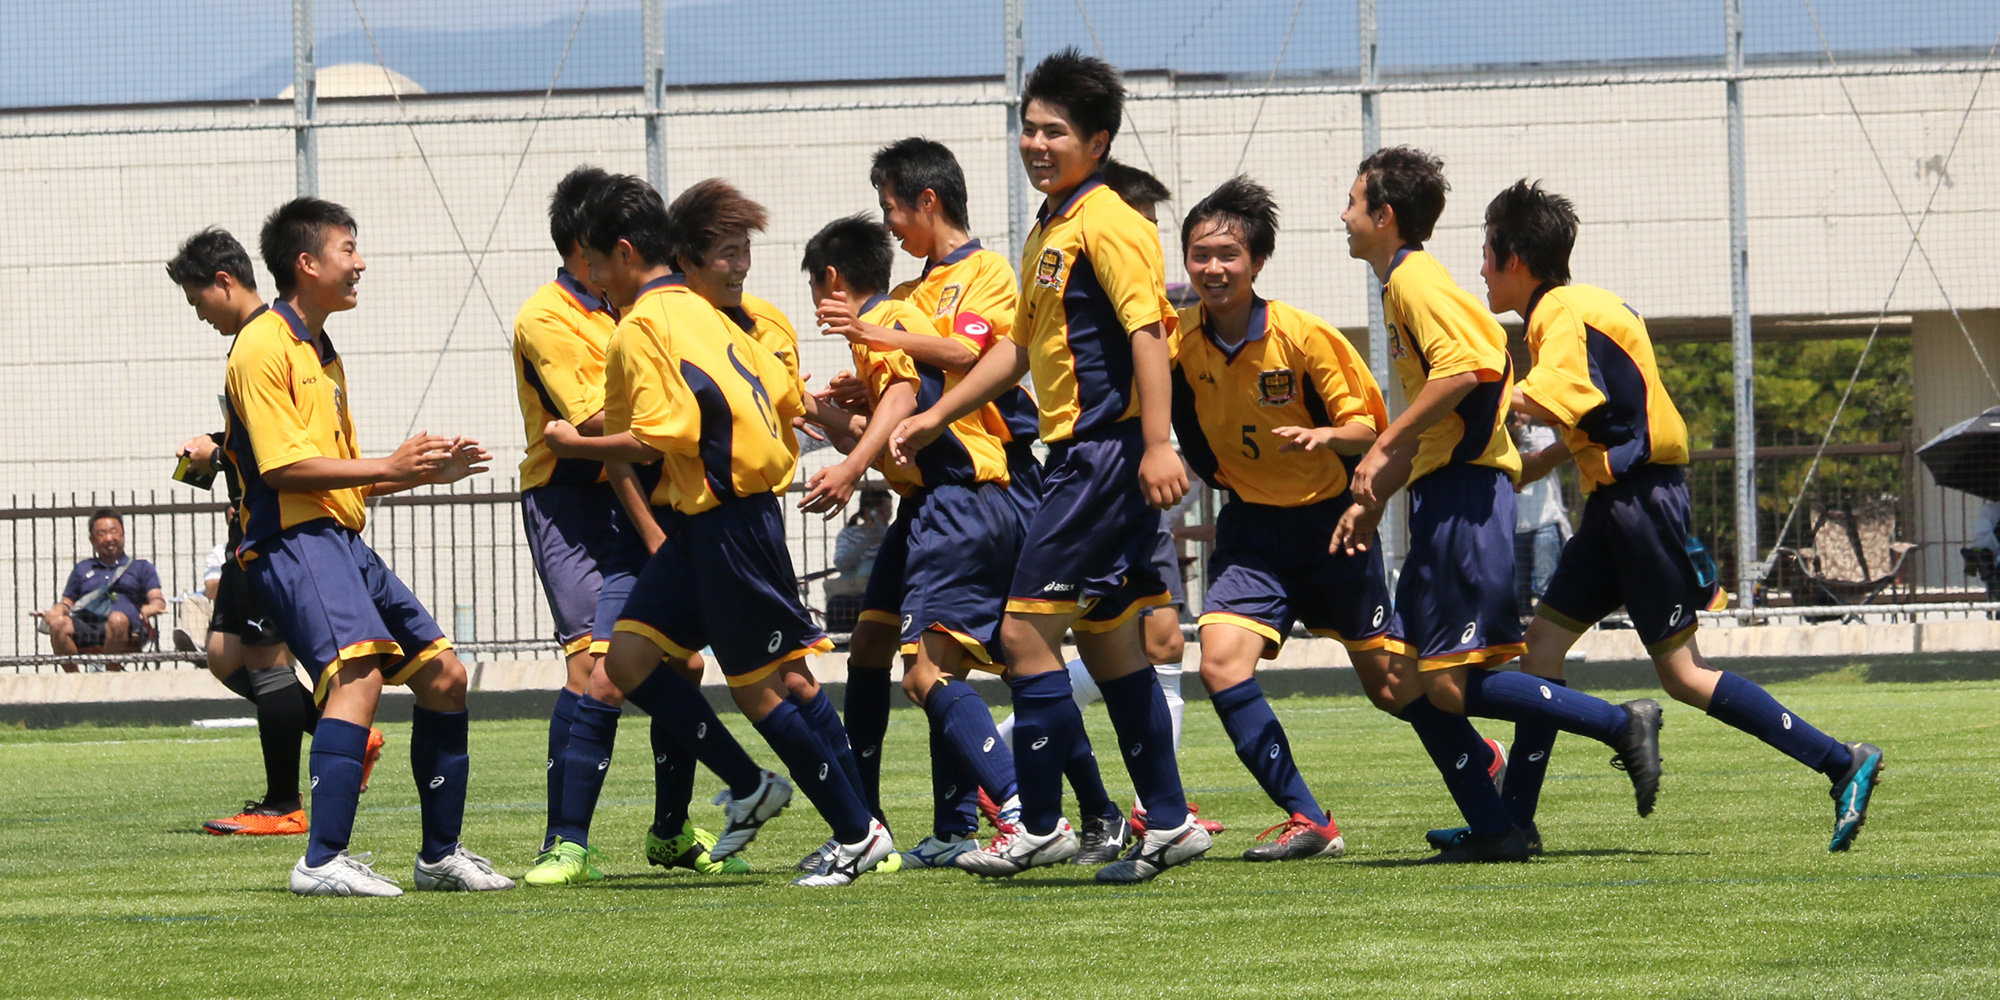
pixel 986 747
pixel 1273 752
pixel 1786 718
pixel 1463 759
pixel 1466 636
pixel 822 771
pixel 1038 744
pixel 1547 695
pixel 977 328
pixel 776 638
pixel 438 782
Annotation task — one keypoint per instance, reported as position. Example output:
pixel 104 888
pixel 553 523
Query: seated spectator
pixel 854 556
pixel 110 600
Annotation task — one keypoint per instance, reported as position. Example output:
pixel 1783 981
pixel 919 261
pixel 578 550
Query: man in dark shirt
pixel 110 598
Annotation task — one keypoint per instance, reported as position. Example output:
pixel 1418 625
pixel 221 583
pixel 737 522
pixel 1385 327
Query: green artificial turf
pixel 107 889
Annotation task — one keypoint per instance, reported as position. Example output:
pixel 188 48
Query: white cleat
pixel 460 871
pixel 849 861
pixel 938 852
pixel 342 876
pixel 1158 851
pixel 1016 850
pixel 745 816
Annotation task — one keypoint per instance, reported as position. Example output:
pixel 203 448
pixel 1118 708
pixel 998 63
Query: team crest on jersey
pixel 948 300
pixel 1048 271
pixel 1276 387
pixel 1396 349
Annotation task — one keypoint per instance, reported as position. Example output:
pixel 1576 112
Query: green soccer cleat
pixel 690 850
pixel 564 863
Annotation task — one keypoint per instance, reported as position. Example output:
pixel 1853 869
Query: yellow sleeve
pixel 1560 379
pixel 561 357
pixel 1125 251
pixel 985 312
pixel 1443 328
pixel 259 383
pixel 659 409
pixel 1346 399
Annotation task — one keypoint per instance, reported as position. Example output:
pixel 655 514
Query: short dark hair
pixel 103 512
pixel 857 247
pixel 569 206
pixel 298 226
pixel 911 166
pixel 1085 87
pixel 1410 181
pixel 209 253
pixel 705 212
pixel 1134 186
pixel 1240 204
pixel 1535 225
pixel 624 207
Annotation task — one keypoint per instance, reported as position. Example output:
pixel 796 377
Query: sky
pixel 90 52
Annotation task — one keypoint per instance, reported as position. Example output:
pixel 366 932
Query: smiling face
pixel 332 274
pixel 719 277
pixel 1220 266
pixel 1057 155
pixel 907 220
pixel 1368 231
pixel 107 538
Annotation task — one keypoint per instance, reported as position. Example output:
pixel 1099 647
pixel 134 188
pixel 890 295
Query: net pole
pixel 1015 53
pixel 1390 532
pixel 305 98
pixel 1749 568
pixel 653 29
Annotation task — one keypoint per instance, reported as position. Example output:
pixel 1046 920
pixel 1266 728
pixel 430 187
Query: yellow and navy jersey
pixel 559 339
pixel 1594 369
pixel 769 326
pixel 1291 370
pixel 972 295
pixel 972 449
pixel 287 401
pixel 688 382
pixel 1437 330
pixel 1091 274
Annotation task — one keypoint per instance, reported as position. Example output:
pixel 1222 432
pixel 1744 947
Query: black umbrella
pixel 1966 456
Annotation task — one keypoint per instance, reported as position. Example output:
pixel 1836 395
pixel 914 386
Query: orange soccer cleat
pixel 371 755
pixel 258 820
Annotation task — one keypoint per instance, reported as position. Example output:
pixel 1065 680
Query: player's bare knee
pixel 690 669
pixel 873 646
pixel 1446 689
pixel 1164 641
pixel 630 660
pixel 440 685
pixel 800 684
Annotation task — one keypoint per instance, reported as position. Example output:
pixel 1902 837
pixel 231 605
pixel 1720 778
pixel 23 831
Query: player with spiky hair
pixel 1271 404
pixel 1596 381
pixel 1093 325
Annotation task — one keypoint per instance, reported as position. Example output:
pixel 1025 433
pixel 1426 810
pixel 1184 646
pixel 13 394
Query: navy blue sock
pixel 826 723
pixel 673 780
pixel 960 715
pixel 815 772
pixel 1262 747
pixel 954 790
pixel 559 723
pixel 1750 708
pixel 335 763
pixel 693 723
pixel 1087 781
pixel 1518 697
pixel 439 761
pixel 867 722
pixel 1138 710
pixel 1046 727
pixel 1528 765
pixel 585 762
pixel 1462 757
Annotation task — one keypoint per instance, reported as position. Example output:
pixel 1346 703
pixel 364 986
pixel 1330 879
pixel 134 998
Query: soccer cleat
pixel 1210 825
pixel 1016 850
pixel 1479 848
pixel 937 852
pixel 1102 839
pixel 1852 792
pixel 564 863
pixel 746 816
pixel 851 861
pixel 371 755
pixel 460 871
pixel 1298 837
pixel 1639 751
pixel 1450 835
pixel 1139 820
pixel 817 859
pixel 343 876
pixel 689 849
pixel 258 820
pixel 1158 851
pixel 1498 769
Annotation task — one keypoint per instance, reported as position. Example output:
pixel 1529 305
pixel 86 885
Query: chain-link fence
pixel 1750 174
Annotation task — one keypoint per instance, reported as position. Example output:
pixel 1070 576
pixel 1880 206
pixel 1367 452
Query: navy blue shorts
pixel 724 579
pixel 1271 568
pixel 1024 478
pixel 1455 601
pixel 1633 549
pixel 239 612
pixel 882 600
pixel 962 547
pixel 334 601
pixel 621 567
pixel 572 530
pixel 1090 546
pixel 1167 563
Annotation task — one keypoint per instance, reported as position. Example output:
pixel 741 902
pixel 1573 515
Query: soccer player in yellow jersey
pixel 942 572
pixel 1270 403
pixel 1455 615
pixel 1093 326
pixel 349 620
pixel 1596 381
pixel 688 387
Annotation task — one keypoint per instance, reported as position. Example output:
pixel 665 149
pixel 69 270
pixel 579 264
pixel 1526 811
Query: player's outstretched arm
pixel 1162 474
pixel 1350 438
pixel 423 454
pixel 1387 465
pixel 1536 464
pixel 999 370
pixel 829 489
pixel 837 316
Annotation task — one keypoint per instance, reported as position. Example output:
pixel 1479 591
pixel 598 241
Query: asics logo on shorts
pixel 822 771
pixel 437 782
pixel 552 764
pixel 1463 759
pixel 601 765
pixel 315 781
pixel 1675 618
pixel 986 747
pixel 776 638
pixel 1038 744
pixel 1466 636
pixel 1547 695
pixel 906 622
pixel 1058 588
pixel 1379 613
pixel 1786 718
pixel 1273 752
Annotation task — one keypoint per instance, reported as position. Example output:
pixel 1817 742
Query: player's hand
pixel 199 450
pixel 837 317
pixel 467 459
pixel 1379 475
pixel 1537 464
pixel 1304 438
pixel 828 490
pixel 423 454
pixel 915 434
pixel 1162 475
pixel 808 428
pixel 560 434
pixel 1356 531
pixel 847 391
